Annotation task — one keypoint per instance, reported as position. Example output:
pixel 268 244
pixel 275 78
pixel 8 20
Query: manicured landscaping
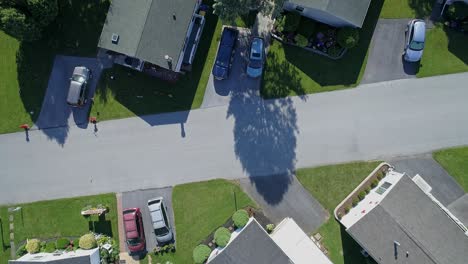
pixel 330 185
pixel 445 52
pixel 199 209
pixel 59 218
pixel 133 93
pixel 455 161
pixel 294 71
pixel 406 8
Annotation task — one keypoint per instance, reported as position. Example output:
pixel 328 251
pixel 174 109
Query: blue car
pixel 255 66
pixel 225 54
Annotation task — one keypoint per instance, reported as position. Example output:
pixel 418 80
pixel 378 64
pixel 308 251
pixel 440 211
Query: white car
pixel 160 221
pixel 414 40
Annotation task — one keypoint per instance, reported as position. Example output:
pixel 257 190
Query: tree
pixel 43 11
pixel 229 10
pixel 17 25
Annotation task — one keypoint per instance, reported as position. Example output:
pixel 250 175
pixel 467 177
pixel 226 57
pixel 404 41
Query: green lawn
pixel 57 218
pixel 135 93
pixel 406 8
pixel 455 161
pixel 294 71
pixel 330 185
pixel 200 208
pixel 445 52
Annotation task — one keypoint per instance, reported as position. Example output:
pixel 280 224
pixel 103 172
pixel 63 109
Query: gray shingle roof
pixel 352 11
pixel 252 246
pixel 74 260
pixel 407 215
pixel 148 29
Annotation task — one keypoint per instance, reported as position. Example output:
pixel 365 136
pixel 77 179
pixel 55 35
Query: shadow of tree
pixel 280 78
pixel 264 140
pixel 422 8
pixel 352 250
pixel 101 226
pixel 457 43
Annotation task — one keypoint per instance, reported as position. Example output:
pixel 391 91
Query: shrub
pixel 346 209
pixel 201 253
pixel 348 37
pixel 62 243
pixel 21 251
pixel 270 228
pixel 17 25
pixel 380 175
pixel 361 195
pixel 355 202
pixel 88 241
pixel 222 236
pixel 306 27
pixel 33 246
pixel 367 190
pixel 291 22
pixel 76 243
pixel 240 218
pixel 374 183
pixel 50 247
pixel 279 23
pixel 334 51
pixel 301 41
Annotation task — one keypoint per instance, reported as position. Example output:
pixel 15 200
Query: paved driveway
pixel 55 111
pixel 283 196
pixel 140 199
pixel 219 93
pixel 385 60
pixel 444 187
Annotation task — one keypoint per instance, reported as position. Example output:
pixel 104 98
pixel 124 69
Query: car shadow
pixel 410 68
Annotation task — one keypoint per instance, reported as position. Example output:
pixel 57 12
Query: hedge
pixel 222 236
pixel 201 254
pixel 240 218
pixel 88 241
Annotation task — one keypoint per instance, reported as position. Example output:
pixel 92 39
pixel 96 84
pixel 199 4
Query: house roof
pixel 409 217
pixel 72 257
pixel 148 29
pixel 352 11
pixel 252 246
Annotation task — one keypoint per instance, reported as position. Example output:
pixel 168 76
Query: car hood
pixel 254 72
pixel 220 72
pixel 413 55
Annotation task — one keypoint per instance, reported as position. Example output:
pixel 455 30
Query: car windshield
pixel 256 64
pixel 161 231
pixel 78 78
pixel 133 241
pixel 256 55
pixel 416 45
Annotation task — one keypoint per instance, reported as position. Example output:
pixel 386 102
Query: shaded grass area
pixel 330 185
pixel 313 73
pixel 406 8
pixel 25 67
pixel 445 52
pixel 246 20
pixel 455 162
pixel 135 93
pixel 200 208
pixel 59 218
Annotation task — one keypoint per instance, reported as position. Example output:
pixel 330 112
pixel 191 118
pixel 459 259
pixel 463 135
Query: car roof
pixel 419 28
pixel 155 212
pixel 130 224
pixel 257 46
pixel 74 92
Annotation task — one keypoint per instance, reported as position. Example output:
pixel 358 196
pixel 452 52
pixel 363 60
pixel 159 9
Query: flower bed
pixel 293 29
pixel 362 190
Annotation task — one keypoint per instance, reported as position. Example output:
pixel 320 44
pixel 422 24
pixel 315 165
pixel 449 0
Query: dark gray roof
pixel 252 246
pixel 352 11
pixel 148 29
pixel 73 260
pixel 407 215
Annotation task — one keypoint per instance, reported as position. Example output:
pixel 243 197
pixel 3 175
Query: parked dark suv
pixel 225 54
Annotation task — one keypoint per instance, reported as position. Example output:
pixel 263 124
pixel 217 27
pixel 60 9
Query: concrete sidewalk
pixel 250 137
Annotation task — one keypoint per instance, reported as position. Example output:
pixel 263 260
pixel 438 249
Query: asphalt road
pixel 140 199
pixel 249 137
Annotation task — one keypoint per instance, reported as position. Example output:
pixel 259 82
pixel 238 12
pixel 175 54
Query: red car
pixel 134 233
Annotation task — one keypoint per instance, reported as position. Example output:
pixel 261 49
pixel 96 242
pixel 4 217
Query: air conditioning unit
pixel 115 38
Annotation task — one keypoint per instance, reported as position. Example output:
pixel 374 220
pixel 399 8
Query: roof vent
pixel 115 38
